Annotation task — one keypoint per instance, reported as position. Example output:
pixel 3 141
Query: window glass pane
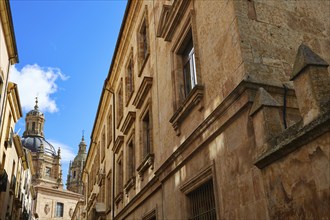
pixel 59 209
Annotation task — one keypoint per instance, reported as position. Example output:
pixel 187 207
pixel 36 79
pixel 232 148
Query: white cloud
pixel 35 81
pixel 66 152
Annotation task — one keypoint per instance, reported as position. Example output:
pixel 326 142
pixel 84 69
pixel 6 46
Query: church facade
pixel 52 201
pixel 213 110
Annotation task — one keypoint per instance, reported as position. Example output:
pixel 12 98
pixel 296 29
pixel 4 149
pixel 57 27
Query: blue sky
pixel 65 50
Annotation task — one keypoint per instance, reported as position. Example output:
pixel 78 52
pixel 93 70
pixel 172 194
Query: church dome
pixel 33 143
pixel 35 112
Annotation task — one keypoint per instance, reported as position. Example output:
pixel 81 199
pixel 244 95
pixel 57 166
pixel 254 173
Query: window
pixel 189 67
pixel 74 174
pixel 109 126
pixel 119 180
pixel 33 126
pixel 146 129
pixel 103 145
pixel 202 202
pixel 9 132
pixel 119 177
pixel 129 79
pixel 59 209
pixel 1 86
pixel 3 163
pixel 130 159
pixel 188 90
pixel 47 171
pixel 120 106
pixel 101 195
pixel 147 157
pixel 143 41
pixel 109 191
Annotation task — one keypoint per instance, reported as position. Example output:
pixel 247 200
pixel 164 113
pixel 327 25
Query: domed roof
pixel 33 143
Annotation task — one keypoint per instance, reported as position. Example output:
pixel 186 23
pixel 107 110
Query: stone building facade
pixel 216 110
pixel 52 201
pixel 74 181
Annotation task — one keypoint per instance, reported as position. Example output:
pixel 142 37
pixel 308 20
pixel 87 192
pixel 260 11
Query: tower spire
pixel 36 105
pixel 83 135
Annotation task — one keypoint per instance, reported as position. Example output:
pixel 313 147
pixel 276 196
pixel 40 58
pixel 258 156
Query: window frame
pixel 57 214
pixel 185 101
pixel 146 158
pixel 109 127
pixel 143 40
pixel 130 162
pixel 129 78
pixel 109 191
pixel 192 183
pixel 120 103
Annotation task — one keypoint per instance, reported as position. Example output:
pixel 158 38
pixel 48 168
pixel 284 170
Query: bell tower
pixel 34 122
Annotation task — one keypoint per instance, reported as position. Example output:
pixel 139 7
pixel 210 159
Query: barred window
pixel 202 202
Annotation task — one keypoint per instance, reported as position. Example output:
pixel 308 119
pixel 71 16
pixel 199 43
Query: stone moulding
pixel 170 18
pixel 194 98
pixel 143 64
pixel 239 99
pixel 203 176
pixel 142 92
pixel 146 163
pixel 129 120
pixel 130 184
pixel 119 141
pixel 119 198
pixel 293 138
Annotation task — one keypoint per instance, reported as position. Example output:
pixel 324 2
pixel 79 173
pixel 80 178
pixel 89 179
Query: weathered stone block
pixel 312 83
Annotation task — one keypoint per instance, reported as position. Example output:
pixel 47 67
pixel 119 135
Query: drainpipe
pixel 113 155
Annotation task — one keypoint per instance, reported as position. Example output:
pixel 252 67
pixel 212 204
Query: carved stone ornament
pixel 47 209
pixel 70 212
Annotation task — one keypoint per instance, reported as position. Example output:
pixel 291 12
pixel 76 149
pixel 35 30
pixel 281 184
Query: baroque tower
pixel 74 178
pixel 46 160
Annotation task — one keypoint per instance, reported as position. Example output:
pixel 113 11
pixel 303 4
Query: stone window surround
pixel 142 92
pixel 128 122
pixel 182 106
pixel 142 59
pixel 205 174
pixel 129 64
pixel 150 214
